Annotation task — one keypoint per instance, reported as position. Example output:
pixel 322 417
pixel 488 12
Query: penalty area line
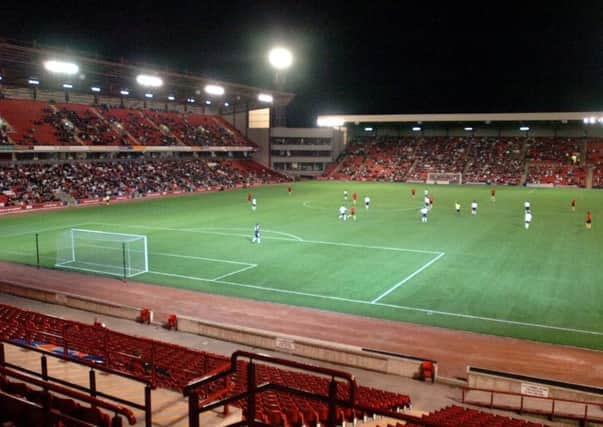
pixel 380 304
pixel 407 278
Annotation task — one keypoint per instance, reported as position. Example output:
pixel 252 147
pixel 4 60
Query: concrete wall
pixel 299 346
pixel 262 138
pixel 238 120
pixel 508 384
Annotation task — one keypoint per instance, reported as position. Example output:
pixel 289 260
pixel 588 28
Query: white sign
pixel 285 343
pixel 534 390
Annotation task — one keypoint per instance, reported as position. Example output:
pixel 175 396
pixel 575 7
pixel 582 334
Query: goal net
pixel 444 178
pixel 116 254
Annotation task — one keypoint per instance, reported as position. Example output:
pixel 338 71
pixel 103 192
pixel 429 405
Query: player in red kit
pixel 589 220
pixel 493 194
pixel 289 190
pixel 353 211
pixel 413 192
pixel 573 204
pixel 249 197
pixel 354 198
pixel 430 201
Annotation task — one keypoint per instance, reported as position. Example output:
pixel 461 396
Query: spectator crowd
pixel 23 184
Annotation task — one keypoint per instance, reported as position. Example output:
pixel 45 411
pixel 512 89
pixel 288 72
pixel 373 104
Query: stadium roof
pixel 340 120
pixel 20 62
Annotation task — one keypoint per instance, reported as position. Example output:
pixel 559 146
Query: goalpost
pixel 102 252
pixel 444 178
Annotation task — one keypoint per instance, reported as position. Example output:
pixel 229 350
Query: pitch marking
pixel 428 312
pixel 407 278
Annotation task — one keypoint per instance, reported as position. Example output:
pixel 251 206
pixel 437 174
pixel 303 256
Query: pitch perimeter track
pixel 453 350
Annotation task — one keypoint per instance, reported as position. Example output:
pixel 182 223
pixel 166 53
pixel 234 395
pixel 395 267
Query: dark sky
pixel 377 57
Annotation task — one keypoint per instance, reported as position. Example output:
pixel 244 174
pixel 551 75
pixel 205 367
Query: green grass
pixel 485 273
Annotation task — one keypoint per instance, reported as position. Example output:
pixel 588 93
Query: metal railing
pixel 253 389
pixel 522 407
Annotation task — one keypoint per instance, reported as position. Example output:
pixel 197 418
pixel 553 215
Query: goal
pixel 102 252
pixel 444 178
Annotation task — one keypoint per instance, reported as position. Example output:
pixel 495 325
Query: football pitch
pixel 482 273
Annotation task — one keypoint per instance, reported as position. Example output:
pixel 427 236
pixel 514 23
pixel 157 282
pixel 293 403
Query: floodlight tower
pixel 280 59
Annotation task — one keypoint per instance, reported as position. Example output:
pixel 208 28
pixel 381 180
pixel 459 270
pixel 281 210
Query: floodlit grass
pixel 484 273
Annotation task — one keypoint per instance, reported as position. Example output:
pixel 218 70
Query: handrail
pixel 522 408
pixel 195 383
pixel 74 386
pixel 558 399
pixel 81 362
pixel 33 406
pixel 71 393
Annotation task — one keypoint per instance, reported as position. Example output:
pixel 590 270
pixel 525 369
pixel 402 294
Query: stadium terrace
pixel 200 252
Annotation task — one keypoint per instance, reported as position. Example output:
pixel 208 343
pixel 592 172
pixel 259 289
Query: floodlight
pixel 280 58
pixel 124 92
pixel 214 90
pixel 226 104
pixel 368 129
pixel 171 98
pixel 208 102
pixel 95 89
pixel 329 122
pixel 33 82
pixel 601 119
pixel 148 95
pixel 469 129
pixel 149 81
pixel 191 100
pixel 61 67
pixel 67 85
pixel 524 128
pixel 593 120
pixel 264 97
pixel 416 128
pixel 0 78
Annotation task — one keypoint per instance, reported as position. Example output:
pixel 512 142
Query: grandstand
pixel 72 142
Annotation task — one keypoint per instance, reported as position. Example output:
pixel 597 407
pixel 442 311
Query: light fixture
pixel 34 82
pixel 280 58
pixel 67 85
pixel 469 129
pixel 524 128
pixel 124 92
pixel 264 97
pixel 416 129
pixel 61 67
pixel 329 121
pixel 148 95
pixel 214 90
pixel 368 129
pixel 95 89
pixel 149 81
pixel 208 102
pixel 171 98
pixel 226 104
pixel 191 100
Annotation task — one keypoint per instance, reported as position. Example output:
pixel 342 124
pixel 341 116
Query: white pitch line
pixel 318 242
pixel 384 248
pixel 235 272
pixel 263 288
pixel 43 230
pixel 407 278
pixel 490 319
pixel 369 303
pixel 202 258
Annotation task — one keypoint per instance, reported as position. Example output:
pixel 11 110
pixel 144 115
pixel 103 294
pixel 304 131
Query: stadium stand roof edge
pixel 20 60
pixel 452 117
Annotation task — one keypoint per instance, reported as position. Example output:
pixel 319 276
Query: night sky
pixel 378 57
